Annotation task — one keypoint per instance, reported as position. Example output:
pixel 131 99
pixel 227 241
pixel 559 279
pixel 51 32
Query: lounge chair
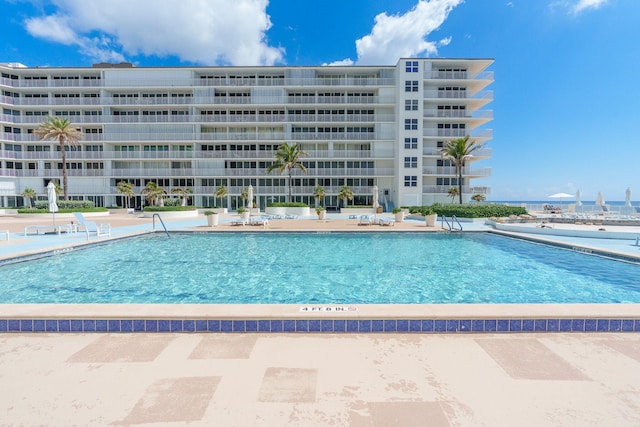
pixel 386 221
pixel 365 220
pixel 239 221
pixel 100 230
pixel 259 220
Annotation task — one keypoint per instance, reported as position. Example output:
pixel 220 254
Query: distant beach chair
pixel 89 227
pixel 239 221
pixel 259 220
pixel 386 221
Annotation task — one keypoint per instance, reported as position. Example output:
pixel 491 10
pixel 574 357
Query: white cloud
pixel 346 61
pixel 199 31
pixel 583 5
pixel 398 36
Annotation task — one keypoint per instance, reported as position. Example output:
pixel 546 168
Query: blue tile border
pixel 446 326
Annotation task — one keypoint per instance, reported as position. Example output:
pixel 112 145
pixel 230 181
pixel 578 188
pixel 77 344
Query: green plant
pixel 478 198
pixel 221 192
pixel 242 209
pixel 286 159
pixel 345 194
pixel 459 151
pixel 169 208
pixel 319 193
pixel 126 189
pixel 183 193
pixel 207 213
pixel 65 133
pixel 287 205
pixel 154 194
pixel 30 194
pixel 396 210
pixel 319 210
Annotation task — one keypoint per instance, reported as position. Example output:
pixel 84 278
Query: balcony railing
pixel 433 151
pixel 458 133
pixel 457 94
pixel 467 114
pixel 451 171
pixel 458 75
pixel 444 189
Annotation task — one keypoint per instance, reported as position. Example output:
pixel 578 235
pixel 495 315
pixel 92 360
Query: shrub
pixel 173 201
pixel 242 209
pixel 396 210
pixel 469 210
pixel 168 208
pixel 207 213
pixel 287 205
pixel 70 205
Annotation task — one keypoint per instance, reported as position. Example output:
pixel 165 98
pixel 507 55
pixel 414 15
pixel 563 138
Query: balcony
pixel 464 114
pixel 457 94
pixel 451 171
pixel 444 189
pixel 458 75
pixel 457 133
pixel 433 151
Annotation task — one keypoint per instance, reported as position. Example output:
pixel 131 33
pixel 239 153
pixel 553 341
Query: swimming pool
pixel 309 268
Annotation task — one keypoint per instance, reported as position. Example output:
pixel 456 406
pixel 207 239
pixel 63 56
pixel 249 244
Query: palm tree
pixel 153 193
pixel 184 193
pixel 244 195
pixel 458 151
pixel 478 198
pixel 319 194
pixel 61 130
pixel 126 189
pixel 30 194
pixel 453 192
pixel 221 192
pixel 345 194
pixel 288 158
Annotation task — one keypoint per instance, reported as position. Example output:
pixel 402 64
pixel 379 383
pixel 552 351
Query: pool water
pixel 306 268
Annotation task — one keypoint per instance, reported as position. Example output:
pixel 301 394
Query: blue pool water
pixel 270 268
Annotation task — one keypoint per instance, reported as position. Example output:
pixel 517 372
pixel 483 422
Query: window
pixel 411 124
pixel 410 181
pixel 410 143
pixel 411 86
pixel 410 162
pixel 411 66
pixel 411 105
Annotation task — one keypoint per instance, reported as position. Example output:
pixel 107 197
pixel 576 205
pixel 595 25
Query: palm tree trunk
pixel 64 170
pixel 289 185
pixel 460 183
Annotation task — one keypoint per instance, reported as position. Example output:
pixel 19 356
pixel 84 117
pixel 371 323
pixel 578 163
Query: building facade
pixel 202 127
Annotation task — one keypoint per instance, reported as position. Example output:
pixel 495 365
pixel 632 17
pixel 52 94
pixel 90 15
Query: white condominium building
pixel 201 127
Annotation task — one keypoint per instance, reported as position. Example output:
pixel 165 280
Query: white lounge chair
pixel 89 227
pixel 259 220
pixel 366 220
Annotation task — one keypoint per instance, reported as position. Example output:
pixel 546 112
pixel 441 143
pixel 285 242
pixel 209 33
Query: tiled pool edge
pixel 318 325
pixel 374 318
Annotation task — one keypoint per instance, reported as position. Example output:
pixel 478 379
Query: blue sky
pixel 565 94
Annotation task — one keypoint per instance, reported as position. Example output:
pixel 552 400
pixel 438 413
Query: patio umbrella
pixel 627 199
pixel 599 199
pixel 250 197
pixel 51 196
pixel 560 196
pixel 375 197
pixel 578 198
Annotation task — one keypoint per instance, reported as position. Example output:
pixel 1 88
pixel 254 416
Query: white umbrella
pixel 578 198
pixel 51 195
pixel 560 196
pixel 627 199
pixel 375 197
pixel 599 199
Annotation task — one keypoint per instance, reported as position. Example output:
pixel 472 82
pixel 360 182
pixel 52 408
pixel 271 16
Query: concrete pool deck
pixel 315 379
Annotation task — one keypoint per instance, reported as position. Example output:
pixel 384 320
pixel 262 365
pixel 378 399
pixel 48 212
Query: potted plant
pixel 430 217
pixel 212 218
pixel 399 215
pixel 243 212
pixel 321 212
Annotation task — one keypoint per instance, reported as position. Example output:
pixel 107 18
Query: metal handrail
pixel 161 222
pixel 454 220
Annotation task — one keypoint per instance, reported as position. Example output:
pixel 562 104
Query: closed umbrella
pixel 52 196
pixel 627 199
pixel 250 197
pixel 375 197
pixel 599 199
pixel 578 198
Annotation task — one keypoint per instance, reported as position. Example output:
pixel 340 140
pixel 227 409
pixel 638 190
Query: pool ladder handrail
pixel 454 221
pixel 161 222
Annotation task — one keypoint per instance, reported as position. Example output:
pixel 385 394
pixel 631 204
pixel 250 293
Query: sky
pixel 566 90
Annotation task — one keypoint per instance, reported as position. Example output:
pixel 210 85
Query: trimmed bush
pixel 287 205
pixel 469 210
pixel 70 205
pixel 169 208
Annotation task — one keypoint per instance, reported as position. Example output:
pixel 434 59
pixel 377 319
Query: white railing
pixel 467 114
pixel 443 189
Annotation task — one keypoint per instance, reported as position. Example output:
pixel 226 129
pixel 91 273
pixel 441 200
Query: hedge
pixel 469 210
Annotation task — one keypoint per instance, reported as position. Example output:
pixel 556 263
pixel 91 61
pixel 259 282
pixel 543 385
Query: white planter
pixel 431 220
pixel 244 215
pixel 288 211
pixel 399 216
pixel 322 215
pixel 213 220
